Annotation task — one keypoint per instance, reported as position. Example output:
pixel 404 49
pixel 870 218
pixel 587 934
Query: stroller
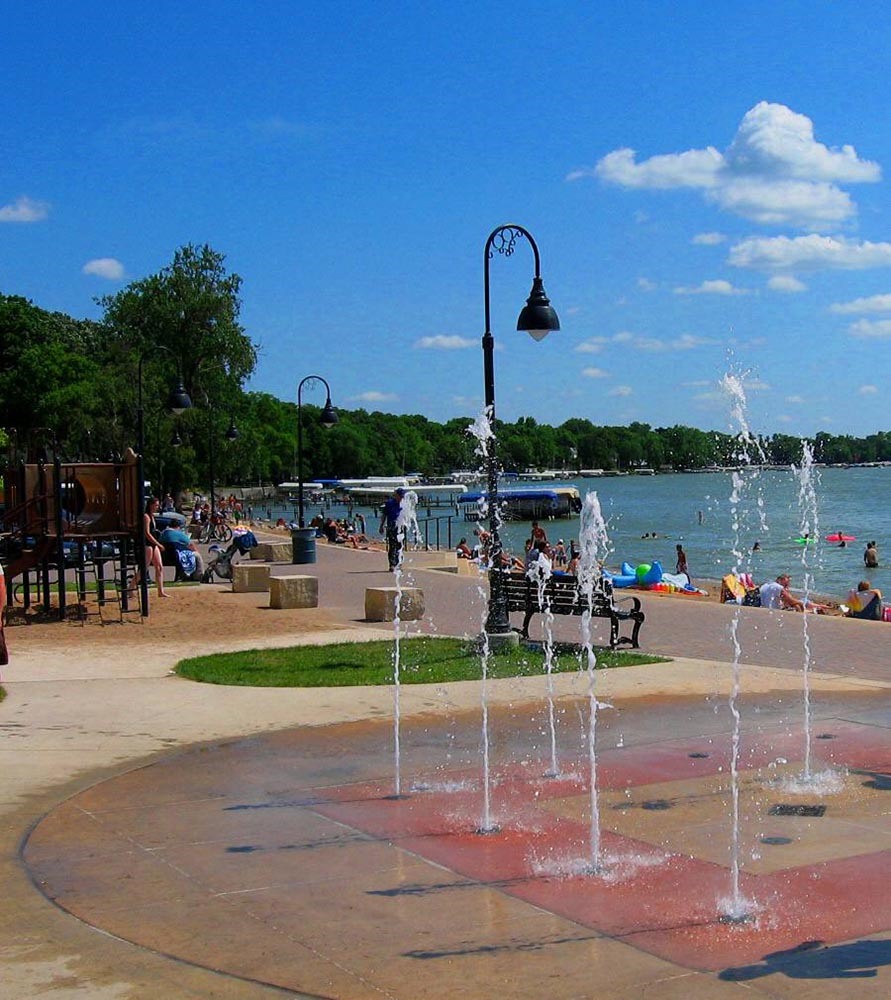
pixel 221 562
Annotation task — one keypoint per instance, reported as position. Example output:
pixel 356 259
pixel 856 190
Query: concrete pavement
pixel 79 712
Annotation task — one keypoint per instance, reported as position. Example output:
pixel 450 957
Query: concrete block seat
pixel 293 591
pixel 272 552
pixel 250 578
pixel 380 604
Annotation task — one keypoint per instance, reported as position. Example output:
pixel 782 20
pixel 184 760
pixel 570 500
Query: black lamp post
pixel 327 418
pixel 538 319
pixel 231 435
pixel 177 401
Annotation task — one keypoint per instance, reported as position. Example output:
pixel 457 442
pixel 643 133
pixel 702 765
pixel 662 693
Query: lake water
pixel 854 501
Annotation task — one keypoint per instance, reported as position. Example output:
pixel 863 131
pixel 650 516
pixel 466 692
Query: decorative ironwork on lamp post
pixel 327 418
pixel 538 318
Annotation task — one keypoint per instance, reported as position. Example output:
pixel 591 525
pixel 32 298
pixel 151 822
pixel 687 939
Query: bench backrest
pixel 561 593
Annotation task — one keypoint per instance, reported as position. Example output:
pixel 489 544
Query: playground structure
pixel 64 515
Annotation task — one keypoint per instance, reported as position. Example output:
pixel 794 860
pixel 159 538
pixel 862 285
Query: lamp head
pixel 328 416
pixel 175 440
pixel 538 317
pixel 179 399
pixel 232 432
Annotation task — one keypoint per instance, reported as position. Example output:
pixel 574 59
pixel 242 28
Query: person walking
pixel 681 566
pixel 392 529
pixel 871 556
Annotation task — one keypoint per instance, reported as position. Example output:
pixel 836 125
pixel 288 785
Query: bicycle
pixel 216 529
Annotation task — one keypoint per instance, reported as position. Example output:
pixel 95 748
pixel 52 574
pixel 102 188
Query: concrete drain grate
pixel 786 809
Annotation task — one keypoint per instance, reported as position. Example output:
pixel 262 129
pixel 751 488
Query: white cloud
pixel 685 342
pixel 872 304
pixel 795 400
pixel 871 329
pixel 444 342
pixel 594 373
pixel 786 283
pixel 868 390
pixel 809 253
pixel 593 346
pixel 773 202
pixel 621 390
pixel 774 171
pixel 708 239
pixel 697 168
pixel 373 396
pixel 645 285
pixel 104 267
pixel 24 209
pixel 716 287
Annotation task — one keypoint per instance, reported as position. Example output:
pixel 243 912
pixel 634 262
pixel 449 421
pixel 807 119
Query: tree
pixel 183 322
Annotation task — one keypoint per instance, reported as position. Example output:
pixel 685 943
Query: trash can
pixel 303 545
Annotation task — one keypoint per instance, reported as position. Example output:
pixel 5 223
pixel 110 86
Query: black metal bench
pixel 562 596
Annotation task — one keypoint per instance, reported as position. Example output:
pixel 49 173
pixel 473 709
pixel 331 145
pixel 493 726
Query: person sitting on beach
pixel 462 550
pixel 187 555
pixel 776 596
pixel 871 556
pixel 332 532
pixel 865 602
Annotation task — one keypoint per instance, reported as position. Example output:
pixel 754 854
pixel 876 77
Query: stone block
pixel 272 552
pixel 250 578
pixel 380 604
pixel 293 592
pixel 467 567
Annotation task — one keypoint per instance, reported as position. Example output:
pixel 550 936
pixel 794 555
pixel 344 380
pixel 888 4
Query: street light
pixel 327 418
pixel 177 401
pixel 538 318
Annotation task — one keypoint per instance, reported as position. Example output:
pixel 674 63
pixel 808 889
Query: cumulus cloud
pixel 104 267
pixel 621 390
pixel 786 283
pixel 716 287
pixel 868 390
pixel 774 172
pixel 809 253
pixel 871 304
pixel 445 342
pixel 373 396
pixel 594 373
pixel 871 329
pixel 708 239
pixel 24 209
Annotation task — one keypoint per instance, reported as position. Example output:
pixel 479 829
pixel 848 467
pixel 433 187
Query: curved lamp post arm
pixel 328 419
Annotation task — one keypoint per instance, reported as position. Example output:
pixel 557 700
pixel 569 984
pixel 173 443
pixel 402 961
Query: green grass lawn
pixel 422 661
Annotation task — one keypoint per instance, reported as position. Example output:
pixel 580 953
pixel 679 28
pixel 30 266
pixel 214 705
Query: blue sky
pixel 708 184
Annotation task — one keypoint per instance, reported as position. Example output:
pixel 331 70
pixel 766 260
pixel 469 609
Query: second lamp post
pixel 327 418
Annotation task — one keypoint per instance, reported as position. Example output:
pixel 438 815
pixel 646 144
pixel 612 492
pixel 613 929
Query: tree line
pixel 72 386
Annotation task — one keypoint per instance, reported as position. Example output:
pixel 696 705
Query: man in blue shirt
pixel 390 525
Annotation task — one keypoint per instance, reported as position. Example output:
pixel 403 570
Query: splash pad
pixel 285 857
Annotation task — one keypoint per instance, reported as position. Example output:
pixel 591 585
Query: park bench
pixel 562 597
